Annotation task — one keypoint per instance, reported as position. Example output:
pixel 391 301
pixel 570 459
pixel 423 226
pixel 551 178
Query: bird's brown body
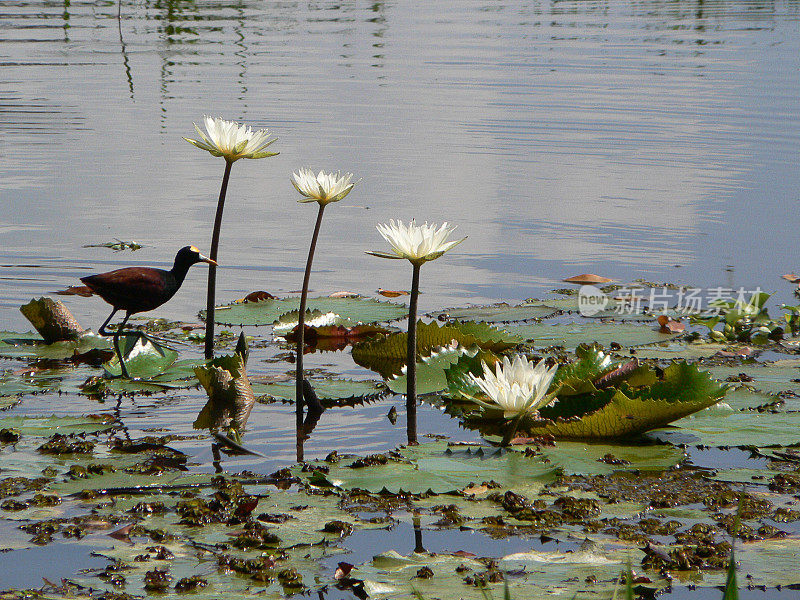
pixel 139 289
pixel 134 289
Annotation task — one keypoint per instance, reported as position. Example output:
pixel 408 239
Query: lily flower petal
pixel 417 243
pixel 231 140
pixel 516 386
pixel 322 188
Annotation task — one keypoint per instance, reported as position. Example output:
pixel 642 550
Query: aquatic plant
pixel 323 189
pixel 417 244
pixel 747 322
pixel 515 386
pixel 597 398
pixel 231 141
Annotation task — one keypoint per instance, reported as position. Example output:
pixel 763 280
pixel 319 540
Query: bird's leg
pixel 117 333
pixel 103 331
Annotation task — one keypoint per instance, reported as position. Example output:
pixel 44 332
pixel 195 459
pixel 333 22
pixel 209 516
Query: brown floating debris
pixel 669 325
pixel 791 278
pixel 51 319
pixel 587 279
pixel 392 293
pixel 258 296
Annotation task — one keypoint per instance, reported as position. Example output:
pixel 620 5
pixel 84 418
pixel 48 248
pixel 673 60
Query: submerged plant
pixel 323 189
pixel 231 141
pixel 417 244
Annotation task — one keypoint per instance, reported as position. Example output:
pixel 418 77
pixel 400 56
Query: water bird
pixel 139 289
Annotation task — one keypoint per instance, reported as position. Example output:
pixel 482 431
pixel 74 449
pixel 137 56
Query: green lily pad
pixel 572 335
pixel 536 575
pixel 330 390
pixel 143 358
pixel 265 312
pixel 497 313
pixel 580 458
pixel 435 467
pixel 14 385
pixel 770 378
pixel 431 370
pixel 388 354
pixel 724 426
pixel 640 402
pixel 47 426
pixel 31 345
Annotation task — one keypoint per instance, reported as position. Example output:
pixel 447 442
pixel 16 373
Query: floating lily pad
pixel 388 354
pixel 497 313
pixel 771 378
pixel 331 390
pixel 573 334
pixel 724 426
pixel 430 371
pixel 31 345
pixel 47 426
pixel 435 467
pixel 143 358
pixel 582 458
pixel 265 312
pixel 16 384
pixel 532 575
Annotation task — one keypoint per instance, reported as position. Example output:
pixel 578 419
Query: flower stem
pixel 301 324
pixel 411 360
pixel 212 269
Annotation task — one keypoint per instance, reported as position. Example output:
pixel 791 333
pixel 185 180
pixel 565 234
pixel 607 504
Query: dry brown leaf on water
pixel 258 296
pixel 474 490
pixel 587 279
pixel 392 293
pixel 76 290
pixel 669 325
pixel 791 278
pixel 342 571
pixel 343 294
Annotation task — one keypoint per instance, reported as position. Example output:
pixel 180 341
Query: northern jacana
pixel 139 289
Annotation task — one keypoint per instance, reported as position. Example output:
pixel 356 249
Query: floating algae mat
pixel 114 468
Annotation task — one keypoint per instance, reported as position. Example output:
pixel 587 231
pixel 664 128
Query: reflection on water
pixel 633 139
pixel 625 138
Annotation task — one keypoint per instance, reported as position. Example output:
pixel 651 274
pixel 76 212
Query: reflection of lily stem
pixel 411 361
pixel 301 324
pixel 512 429
pixel 212 269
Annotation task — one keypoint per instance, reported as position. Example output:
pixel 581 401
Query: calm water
pixel 634 139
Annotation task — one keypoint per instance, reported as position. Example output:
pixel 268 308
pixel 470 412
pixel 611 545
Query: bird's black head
pixel 189 255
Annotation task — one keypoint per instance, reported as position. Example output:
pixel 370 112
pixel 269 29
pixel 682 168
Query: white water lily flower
pixel 517 386
pixel 231 140
pixel 605 359
pixel 417 243
pixel 322 188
